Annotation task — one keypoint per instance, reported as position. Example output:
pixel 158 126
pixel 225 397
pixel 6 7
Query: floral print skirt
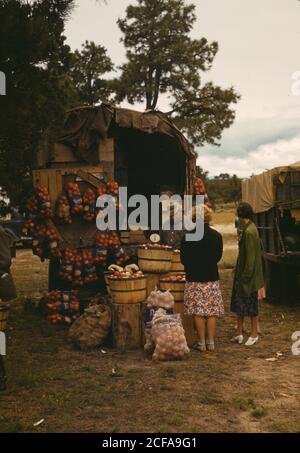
pixel 203 299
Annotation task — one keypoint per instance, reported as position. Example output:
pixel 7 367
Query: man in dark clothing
pixel 7 287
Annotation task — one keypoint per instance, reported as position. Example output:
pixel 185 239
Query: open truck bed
pixel 275 198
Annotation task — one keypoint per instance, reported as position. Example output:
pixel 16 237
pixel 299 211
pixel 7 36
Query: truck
pixel 143 151
pixel 275 198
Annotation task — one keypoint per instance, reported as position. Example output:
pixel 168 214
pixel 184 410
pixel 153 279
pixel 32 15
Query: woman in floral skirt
pixel 203 297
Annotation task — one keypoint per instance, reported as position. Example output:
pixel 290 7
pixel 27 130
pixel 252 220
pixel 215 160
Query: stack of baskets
pixel 128 295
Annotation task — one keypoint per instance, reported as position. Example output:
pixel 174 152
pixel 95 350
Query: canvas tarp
pixel 85 126
pixel 260 190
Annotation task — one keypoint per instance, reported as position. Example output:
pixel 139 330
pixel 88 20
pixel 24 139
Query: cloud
pixel 264 157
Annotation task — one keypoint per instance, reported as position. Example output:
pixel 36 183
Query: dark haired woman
pixel 248 275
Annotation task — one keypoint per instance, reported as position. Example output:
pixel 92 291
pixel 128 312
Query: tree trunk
pixel 149 89
pixel 156 89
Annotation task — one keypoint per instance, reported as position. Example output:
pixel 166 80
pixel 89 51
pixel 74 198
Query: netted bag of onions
pixel 165 300
pixel 160 299
pixel 168 336
pixel 156 300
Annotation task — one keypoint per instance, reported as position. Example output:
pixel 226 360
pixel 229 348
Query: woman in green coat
pixel 248 275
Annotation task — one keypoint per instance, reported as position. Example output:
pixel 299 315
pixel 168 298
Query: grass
pixel 10 427
pixel 259 412
pixel 245 403
pixel 229 259
pixel 174 421
pixel 224 216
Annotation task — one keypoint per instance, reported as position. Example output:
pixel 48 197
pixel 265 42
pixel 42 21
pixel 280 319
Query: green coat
pixel 249 272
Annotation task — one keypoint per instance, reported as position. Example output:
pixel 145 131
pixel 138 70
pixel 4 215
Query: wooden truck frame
pixel 143 151
pixel 275 197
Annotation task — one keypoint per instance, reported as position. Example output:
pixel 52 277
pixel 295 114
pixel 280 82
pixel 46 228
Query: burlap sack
pixel 92 328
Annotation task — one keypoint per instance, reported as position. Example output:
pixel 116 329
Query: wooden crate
pixel 55 179
pixel 127 326
pixel 79 233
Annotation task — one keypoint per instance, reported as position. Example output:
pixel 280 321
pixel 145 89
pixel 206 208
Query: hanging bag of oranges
pixel 75 198
pixel 89 205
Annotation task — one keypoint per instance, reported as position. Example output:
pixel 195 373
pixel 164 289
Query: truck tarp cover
pixel 259 190
pixel 86 125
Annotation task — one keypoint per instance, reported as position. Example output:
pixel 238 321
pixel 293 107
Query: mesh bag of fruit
pixel 32 207
pixel 90 274
pixel 118 256
pixel 160 299
pixel 168 336
pixel 78 278
pixel 67 264
pixel 43 202
pixel 52 243
pixel 89 205
pixel 113 188
pixel 63 210
pixel 156 300
pixel 100 255
pixel 62 307
pixel 75 198
pixel 101 249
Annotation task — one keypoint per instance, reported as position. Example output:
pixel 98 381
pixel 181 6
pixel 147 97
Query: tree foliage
pixel 35 59
pixel 162 58
pixel 88 68
pixel 224 188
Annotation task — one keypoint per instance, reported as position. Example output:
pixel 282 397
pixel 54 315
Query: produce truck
pixel 143 151
pixel 275 198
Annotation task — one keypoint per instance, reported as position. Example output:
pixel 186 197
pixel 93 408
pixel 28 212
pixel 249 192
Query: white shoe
pixel 251 341
pixel 238 339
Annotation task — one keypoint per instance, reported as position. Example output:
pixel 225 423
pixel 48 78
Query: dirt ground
pixel 234 389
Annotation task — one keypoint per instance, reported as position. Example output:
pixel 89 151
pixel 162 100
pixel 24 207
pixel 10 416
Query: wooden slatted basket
pixel 176 268
pixel 133 237
pixel 155 259
pixel 106 275
pixel 176 289
pixel 129 290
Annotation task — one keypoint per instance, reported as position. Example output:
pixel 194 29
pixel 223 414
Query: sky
pixel 259 53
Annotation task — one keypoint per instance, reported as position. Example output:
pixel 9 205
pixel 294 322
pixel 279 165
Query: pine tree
pixel 88 68
pixel 162 58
